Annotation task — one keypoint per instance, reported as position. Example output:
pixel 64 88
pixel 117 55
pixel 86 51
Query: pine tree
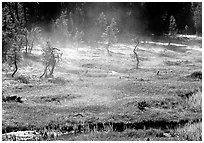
pixel 172 28
pixel 198 18
pixel 13 34
pixel 110 34
pixel 102 21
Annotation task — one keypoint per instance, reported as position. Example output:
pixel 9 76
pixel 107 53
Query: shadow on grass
pixel 180 49
pixel 33 57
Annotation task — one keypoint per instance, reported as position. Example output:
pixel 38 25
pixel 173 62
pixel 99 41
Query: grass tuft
pixel 194 102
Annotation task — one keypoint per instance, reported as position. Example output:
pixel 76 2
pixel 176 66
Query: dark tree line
pixel 153 17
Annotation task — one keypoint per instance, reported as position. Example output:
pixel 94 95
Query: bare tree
pixel 32 37
pixel 137 42
pixel 50 59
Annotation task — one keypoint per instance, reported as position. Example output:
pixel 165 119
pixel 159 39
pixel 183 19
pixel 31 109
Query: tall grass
pixel 194 102
pixel 192 132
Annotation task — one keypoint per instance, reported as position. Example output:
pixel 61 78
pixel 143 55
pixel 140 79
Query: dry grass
pixel 194 102
pixel 109 90
pixel 192 132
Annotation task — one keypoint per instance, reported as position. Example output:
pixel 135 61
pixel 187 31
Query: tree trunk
pixel 45 72
pixel 107 48
pixel 16 68
pixel 26 46
pixel 53 67
pixel 26 50
pixel 169 42
pixel 137 58
pixel 31 46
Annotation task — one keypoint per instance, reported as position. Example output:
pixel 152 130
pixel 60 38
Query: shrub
pixel 141 105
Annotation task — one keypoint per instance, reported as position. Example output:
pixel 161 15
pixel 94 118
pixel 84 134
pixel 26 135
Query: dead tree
pixel 58 54
pixel 14 55
pixel 135 53
pixel 50 59
pixel 32 37
pixel 16 67
pixel 45 72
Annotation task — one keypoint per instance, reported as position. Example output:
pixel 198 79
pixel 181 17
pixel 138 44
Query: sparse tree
pixel 172 28
pixel 110 34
